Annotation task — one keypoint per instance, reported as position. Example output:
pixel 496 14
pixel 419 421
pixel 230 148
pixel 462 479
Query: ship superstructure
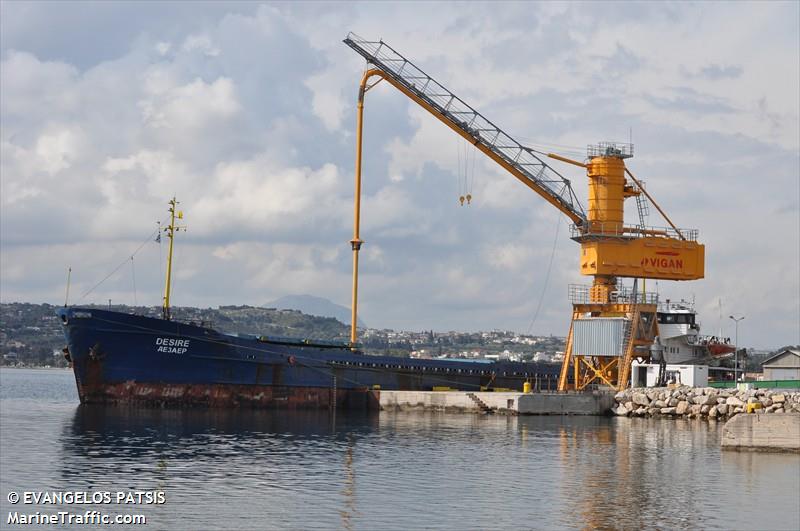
pixel 680 337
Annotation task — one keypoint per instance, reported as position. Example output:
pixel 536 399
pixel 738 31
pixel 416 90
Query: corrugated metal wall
pixel 599 336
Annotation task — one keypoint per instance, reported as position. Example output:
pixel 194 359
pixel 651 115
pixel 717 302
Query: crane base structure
pixel 602 342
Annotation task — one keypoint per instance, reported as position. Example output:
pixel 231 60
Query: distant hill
pixel 312 305
pixel 30 333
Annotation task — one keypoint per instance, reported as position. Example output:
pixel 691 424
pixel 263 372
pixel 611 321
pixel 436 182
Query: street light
pixel 736 347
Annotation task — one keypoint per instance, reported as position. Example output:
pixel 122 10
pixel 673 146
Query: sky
pixel 246 113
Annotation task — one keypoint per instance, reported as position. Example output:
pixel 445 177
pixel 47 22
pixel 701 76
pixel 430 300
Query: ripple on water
pixel 277 470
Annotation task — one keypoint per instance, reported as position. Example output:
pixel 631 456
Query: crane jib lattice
pixel 544 178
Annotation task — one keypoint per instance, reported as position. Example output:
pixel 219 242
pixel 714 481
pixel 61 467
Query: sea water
pixel 236 469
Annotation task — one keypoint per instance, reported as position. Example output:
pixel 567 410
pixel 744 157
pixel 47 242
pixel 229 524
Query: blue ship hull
pixel 123 358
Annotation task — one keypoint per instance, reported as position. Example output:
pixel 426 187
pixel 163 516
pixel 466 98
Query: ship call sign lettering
pixel 170 345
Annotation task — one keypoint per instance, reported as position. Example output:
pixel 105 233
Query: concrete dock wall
pixel 448 401
pixel 762 431
pixel 596 403
pixel 510 403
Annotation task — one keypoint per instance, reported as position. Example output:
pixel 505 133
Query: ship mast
pixel 170 230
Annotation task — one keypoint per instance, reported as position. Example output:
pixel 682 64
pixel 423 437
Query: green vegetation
pixel 762 384
pixel 30 334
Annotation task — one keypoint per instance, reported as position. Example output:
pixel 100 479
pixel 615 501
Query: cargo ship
pixel 124 358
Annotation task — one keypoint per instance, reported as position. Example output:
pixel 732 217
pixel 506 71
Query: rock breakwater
pixel 702 402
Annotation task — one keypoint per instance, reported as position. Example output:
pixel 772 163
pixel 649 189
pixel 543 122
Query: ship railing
pixel 194 322
pixel 703 340
pixel 669 306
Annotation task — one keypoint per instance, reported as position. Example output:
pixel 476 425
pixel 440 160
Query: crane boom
pixel 519 160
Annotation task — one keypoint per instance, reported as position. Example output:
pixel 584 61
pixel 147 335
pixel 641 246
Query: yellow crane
pixel 610 325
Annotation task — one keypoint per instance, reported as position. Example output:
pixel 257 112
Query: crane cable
pixel 546 277
pixel 466 183
pixel 129 257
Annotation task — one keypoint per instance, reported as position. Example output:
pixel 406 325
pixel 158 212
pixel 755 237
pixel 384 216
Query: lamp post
pixel 736 347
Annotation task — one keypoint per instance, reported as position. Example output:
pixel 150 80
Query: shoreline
pixel 37 368
pixel 707 403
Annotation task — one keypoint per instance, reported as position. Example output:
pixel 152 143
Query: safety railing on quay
pixel 600 230
pixel 581 294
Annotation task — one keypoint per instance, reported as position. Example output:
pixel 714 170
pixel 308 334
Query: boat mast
pixel 170 230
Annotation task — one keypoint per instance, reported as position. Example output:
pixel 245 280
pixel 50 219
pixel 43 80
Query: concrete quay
pixel 514 403
pixel 762 432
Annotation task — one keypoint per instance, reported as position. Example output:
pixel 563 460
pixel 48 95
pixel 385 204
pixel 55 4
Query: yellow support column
pixel 356 242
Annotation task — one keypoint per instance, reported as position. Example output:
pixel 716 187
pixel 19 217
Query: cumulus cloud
pixel 246 112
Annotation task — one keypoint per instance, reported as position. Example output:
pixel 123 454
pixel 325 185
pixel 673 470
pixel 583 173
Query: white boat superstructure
pixel 679 334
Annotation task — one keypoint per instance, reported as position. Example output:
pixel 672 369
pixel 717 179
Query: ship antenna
pixel 170 230
pixel 69 278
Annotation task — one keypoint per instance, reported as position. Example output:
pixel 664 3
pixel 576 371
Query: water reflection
pixel 277 470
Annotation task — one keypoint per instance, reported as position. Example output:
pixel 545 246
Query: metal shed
pixel 785 365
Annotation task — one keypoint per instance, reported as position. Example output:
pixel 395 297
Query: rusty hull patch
pixel 228 395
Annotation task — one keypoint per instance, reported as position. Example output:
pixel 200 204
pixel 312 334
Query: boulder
pixel 673 402
pixel 620 397
pixel 681 408
pixel 705 409
pixel 734 401
pixel 779 398
pixel 712 413
pixel 630 406
pixel 640 399
pixel 659 404
pixel 621 411
pixel 695 409
pixel 704 400
pixel 667 410
pixel 722 409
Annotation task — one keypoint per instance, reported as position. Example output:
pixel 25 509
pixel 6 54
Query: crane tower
pixel 611 325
